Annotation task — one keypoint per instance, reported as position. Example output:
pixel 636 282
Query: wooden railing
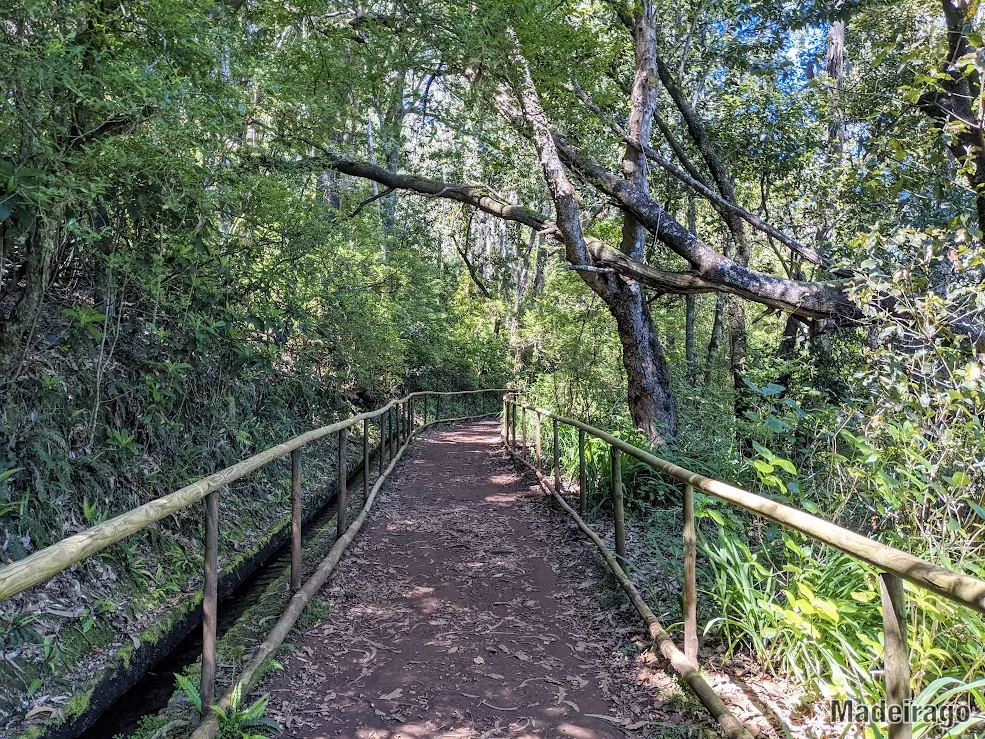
pixel 893 564
pixel 398 422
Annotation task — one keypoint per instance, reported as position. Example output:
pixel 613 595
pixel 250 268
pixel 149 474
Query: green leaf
pixel 960 479
pixel 864 596
pixel 714 516
pixel 828 609
pixel 191 690
pixel 763 466
pixel 786 465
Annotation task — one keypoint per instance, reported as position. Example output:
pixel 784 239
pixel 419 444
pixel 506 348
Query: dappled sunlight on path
pixel 466 608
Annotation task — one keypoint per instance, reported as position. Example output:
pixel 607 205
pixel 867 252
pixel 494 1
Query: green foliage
pixel 245 723
pixel 316 610
pixel 190 690
pixel 211 287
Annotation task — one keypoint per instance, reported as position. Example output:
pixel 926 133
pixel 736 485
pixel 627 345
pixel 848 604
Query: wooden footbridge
pixel 521 430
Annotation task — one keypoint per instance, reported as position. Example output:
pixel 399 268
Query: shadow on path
pixel 467 607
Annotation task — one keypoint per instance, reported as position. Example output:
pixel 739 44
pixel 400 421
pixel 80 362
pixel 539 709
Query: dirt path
pixel 468 607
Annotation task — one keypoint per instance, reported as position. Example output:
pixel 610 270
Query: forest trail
pixel 469 607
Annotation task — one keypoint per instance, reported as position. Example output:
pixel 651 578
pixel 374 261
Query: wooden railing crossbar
pixel 43 564
pixel 894 564
pixel 397 427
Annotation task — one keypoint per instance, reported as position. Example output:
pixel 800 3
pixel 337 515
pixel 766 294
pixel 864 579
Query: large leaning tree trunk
pixel 649 396
pixel 648 391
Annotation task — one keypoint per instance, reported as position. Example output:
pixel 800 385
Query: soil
pixel 469 606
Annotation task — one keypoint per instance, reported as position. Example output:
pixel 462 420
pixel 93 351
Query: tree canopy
pixel 740 231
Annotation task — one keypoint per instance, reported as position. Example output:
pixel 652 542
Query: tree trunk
pixel 651 404
pixel 539 263
pixel 715 342
pixel 328 189
pixel 690 341
pixel 42 246
pixel 836 72
pixel 691 307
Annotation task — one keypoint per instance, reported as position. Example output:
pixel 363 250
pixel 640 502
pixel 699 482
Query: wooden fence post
pixel 537 447
pixel 504 432
pixel 523 431
pixel 513 423
pixel 392 422
pixel 618 513
pixel 295 519
pixel 365 459
pixel 340 518
pixel 557 460
pixel 381 447
pixel 897 659
pixel 690 578
pixel 210 600
pixel 582 481
pixel 437 408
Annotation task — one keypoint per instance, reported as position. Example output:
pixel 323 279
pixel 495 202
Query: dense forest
pixel 746 234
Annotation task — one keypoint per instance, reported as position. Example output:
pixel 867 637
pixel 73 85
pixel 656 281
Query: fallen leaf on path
pixel 39 709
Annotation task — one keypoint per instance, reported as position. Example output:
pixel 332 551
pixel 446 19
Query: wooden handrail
pixel 37 567
pixel 895 564
pixel 962 589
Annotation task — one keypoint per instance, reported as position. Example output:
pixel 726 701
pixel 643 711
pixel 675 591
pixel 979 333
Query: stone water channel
pixel 151 693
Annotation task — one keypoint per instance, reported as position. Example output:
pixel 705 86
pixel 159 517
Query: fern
pixel 191 690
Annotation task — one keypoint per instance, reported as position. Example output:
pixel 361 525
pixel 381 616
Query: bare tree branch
pixel 717 200
pixel 367 201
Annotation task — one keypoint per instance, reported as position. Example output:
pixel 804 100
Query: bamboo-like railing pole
pixel 897 655
pixel 37 567
pixel 296 519
pixel 557 458
pixel 365 459
pixel 690 578
pixel 962 589
pixel 504 426
pixel 537 446
pixel 618 508
pixel 391 428
pixel 343 483
pixel 513 424
pixel 381 452
pixel 582 479
pixel 688 671
pixel 210 599
pixel 523 431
